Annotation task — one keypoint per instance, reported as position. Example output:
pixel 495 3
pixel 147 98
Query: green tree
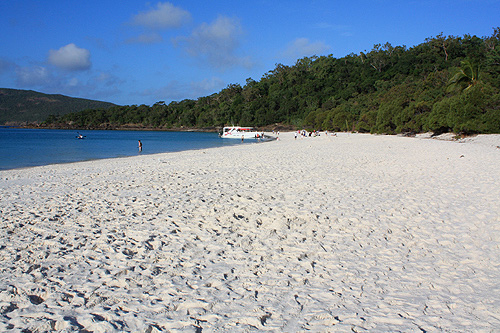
pixel 466 76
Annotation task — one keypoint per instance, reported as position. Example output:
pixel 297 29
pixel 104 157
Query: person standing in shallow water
pixel 140 146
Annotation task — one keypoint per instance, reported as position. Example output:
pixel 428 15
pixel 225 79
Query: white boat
pixel 237 132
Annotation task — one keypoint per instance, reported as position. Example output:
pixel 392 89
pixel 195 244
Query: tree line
pixel 447 83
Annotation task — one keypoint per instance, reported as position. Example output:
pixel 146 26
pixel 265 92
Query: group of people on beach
pixel 303 133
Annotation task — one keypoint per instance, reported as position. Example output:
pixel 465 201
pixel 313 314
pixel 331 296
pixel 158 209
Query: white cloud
pixel 70 57
pixel 41 78
pixel 216 43
pixel 73 82
pixel 32 76
pixel 176 90
pixel 108 79
pixel 302 47
pixel 165 15
pixel 206 87
pixel 150 38
pixel 5 66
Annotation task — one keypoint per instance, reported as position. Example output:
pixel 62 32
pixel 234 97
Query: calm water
pixel 21 148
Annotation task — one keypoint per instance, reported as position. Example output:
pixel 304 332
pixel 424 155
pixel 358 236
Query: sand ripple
pixel 347 233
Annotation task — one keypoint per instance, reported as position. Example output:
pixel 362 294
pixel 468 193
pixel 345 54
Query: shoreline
pixel 27 148
pixel 352 232
pixel 442 137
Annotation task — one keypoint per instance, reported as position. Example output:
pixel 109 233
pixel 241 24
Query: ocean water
pixel 20 148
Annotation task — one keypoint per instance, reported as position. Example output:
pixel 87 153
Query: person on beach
pixel 140 146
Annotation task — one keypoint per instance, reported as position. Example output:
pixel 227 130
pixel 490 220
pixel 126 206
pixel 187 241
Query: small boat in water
pixel 237 132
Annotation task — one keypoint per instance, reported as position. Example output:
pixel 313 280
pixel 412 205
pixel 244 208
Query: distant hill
pixel 28 106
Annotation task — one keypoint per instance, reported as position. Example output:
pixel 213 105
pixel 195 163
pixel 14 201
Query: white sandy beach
pixel 348 233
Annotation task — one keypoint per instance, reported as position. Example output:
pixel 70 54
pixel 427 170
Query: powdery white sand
pixel 347 233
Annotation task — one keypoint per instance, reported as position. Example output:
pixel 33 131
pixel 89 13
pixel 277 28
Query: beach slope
pixel 351 232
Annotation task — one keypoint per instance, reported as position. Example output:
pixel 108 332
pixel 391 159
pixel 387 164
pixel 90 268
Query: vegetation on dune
pixel 444 84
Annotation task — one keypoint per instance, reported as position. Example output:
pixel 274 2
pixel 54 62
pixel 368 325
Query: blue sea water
pixel 21 148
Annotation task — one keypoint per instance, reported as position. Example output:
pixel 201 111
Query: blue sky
pixel 140 52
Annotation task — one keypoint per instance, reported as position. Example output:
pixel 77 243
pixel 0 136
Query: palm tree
pixel 466 76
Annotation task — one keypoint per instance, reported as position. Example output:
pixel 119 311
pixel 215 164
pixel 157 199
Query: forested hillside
pixel 444 84
pixel 27 106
